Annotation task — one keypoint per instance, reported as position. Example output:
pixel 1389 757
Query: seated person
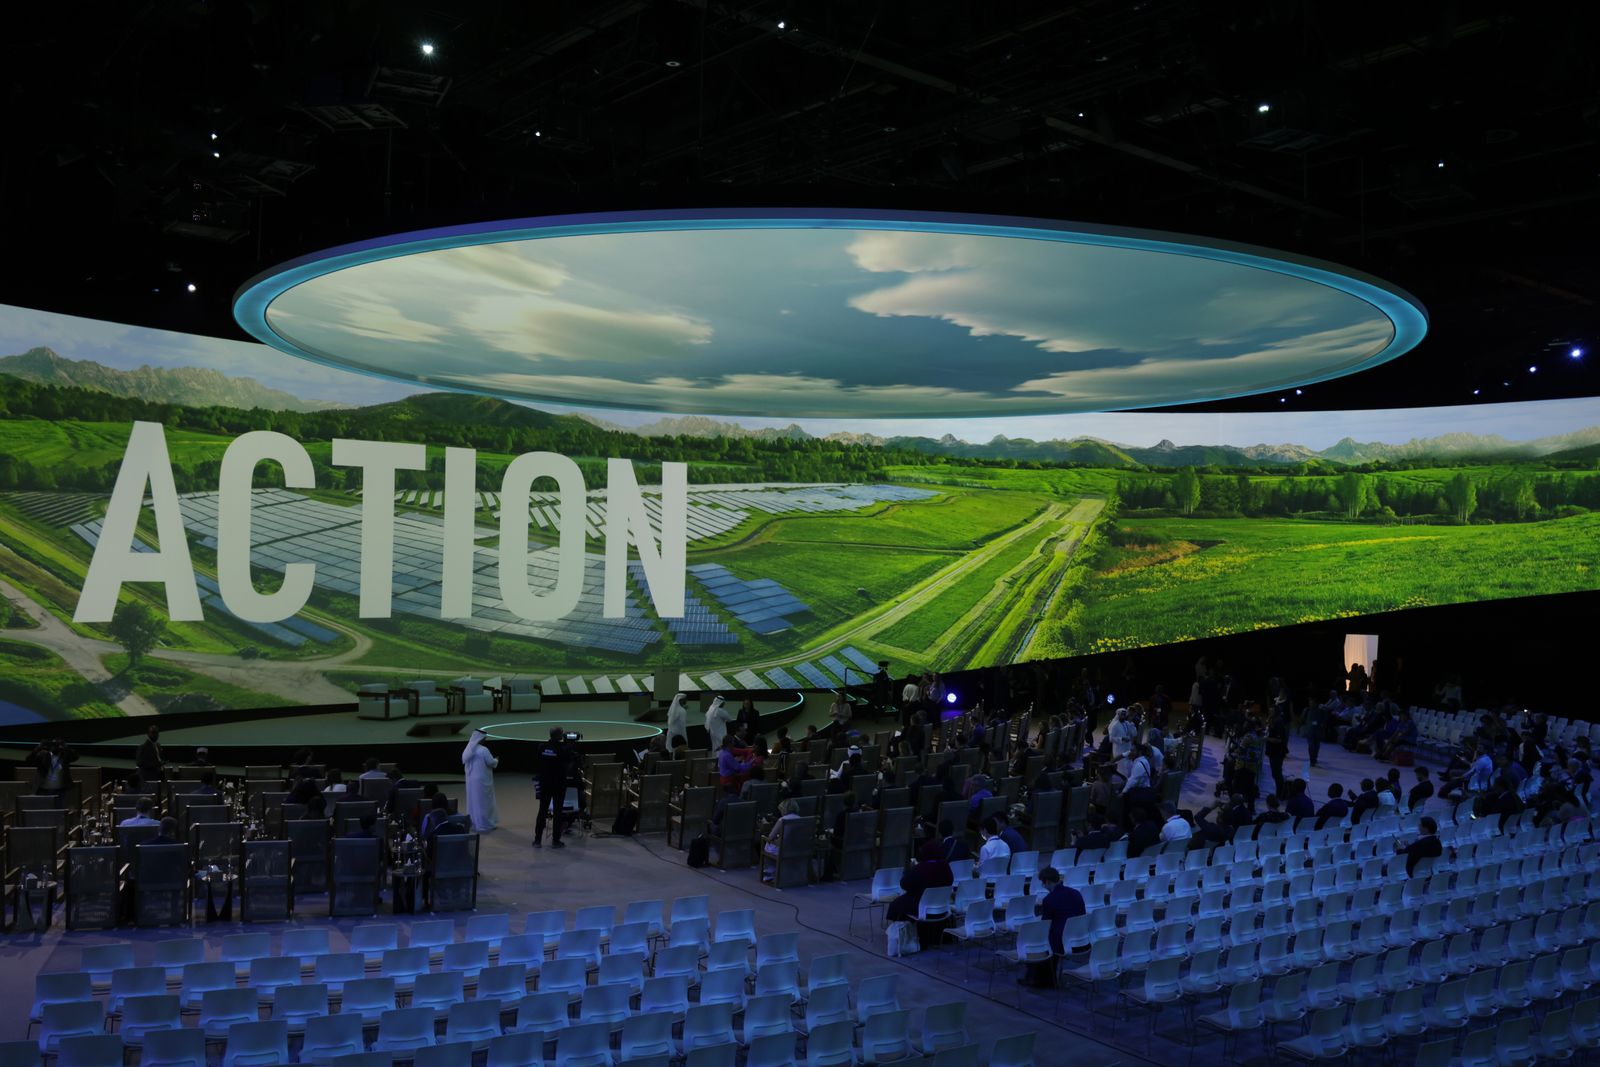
pixel 1100 838
pixel 143 814
pixel 438 813
pixel 1335 809
pixel 366 828
pixel 1272 814
pixel 167 835
pixel 1421 792
pixel 930 872
pixel 317 807
pixel 994 846
pixel 952 846
pixel 334 782
pixel 372 773
pixel 788 812
pixel 1426 846
pixel 1009 834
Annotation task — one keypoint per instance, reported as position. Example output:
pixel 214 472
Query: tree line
pixel 1501 494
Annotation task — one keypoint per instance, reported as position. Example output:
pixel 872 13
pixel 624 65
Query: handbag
pixel 903 938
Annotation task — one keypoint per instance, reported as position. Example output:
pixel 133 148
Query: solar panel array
pixel 712 510
pixel 699 624
pixel 762 604
pixel 289 528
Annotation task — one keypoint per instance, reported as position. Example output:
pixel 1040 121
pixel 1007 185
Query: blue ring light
pixel 986 310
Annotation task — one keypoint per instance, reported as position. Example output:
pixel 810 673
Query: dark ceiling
pixel 1450 148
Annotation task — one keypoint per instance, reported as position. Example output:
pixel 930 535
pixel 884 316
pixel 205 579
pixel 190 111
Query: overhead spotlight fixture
pixel 1298 392
pixel 1440 165
pixel 1283 400
pixel 673 63
pixel 1475 392
pixel 781 24
pixel 1263 108
pixel 1080 114
pixel 890 129
pixel 190 287
pixel 1576 353
pixel 427 48
pixel 216 155
pixel 538 133
pixel 1506 384
pixel 1533 368
pixel 213 135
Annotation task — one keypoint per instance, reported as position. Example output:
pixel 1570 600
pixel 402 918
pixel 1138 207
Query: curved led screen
pixel 188 523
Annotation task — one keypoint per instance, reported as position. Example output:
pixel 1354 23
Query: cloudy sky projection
pixel 767 317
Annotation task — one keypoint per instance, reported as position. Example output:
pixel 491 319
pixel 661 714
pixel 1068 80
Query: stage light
pixel 781 24
pixel 216 155
pixel 1299 392
pixel 673 63
pixel 1283 400
pixel 1576 353
pixel 1262 109
pixel 538 133
pixel 949 698
pixel 1475 392
pixel 190 287
pixel 1440 164
pixel 1533 368
pixel 1111 698
pixel 213 135
pixel 427 48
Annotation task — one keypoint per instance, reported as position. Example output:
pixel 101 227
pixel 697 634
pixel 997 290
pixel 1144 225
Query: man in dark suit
pixel 1145 833
pixel 1425 847
pixel 1421 791
pixel 1060 903
pixel 1365 802
pixel 1093 839
pixel 1335 809
pixel 151 760
pixel 1298 805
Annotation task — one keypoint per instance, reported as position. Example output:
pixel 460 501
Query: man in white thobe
pixel 717 719
pixel 479 765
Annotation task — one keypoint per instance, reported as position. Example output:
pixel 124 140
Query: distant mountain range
pixel 191 386
pixel 1093 451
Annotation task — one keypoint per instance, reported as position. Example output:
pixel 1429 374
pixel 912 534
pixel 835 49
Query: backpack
pixel 626 822
pixel 699 851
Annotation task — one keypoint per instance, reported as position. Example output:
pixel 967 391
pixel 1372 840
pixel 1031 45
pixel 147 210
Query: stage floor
pixel 600 721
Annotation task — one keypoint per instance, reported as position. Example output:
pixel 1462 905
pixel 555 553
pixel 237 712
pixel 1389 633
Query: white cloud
pixel 548 329
pixel 1273 365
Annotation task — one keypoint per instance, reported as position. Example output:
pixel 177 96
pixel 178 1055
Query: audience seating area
pixel 649 983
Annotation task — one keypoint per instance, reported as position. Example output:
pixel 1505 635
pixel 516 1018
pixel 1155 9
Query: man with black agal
pixel 551 779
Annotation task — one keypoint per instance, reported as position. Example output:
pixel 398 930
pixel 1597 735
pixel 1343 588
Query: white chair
pixel 1161 987
pixel 647 1034
pixel 1013 1051
pixel 474 1023
pixel 605 1004
pixel 1326 1038
pixel 880 993
pixel 141 1015
pixel 296 1005
pixel 542 1013
pixel 173 1048
pixel 437 992
pixel 404 1030
pixel 831 1045
pixel 665 994
pixel 328 1037
pixel 886 1035
pixel 834 970
pixel 737 925
pixel 706 1025
pixel 585 1045
pixel 250 1044
pixel 765 1015
pixel 1242 1014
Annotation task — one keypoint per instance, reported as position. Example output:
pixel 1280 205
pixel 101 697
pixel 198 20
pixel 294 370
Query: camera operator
pixel 551 780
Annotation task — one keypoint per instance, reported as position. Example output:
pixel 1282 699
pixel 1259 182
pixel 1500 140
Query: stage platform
pixel 337 736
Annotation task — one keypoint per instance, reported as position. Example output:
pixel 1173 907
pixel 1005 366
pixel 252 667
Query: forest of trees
pixel 1501 494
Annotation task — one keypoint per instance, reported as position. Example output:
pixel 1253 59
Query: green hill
pixel 189 386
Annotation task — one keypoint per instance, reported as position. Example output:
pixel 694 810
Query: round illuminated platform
pixel 595 731
pixel 829 314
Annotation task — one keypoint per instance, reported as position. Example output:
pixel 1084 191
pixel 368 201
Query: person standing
pixel 479 764
pixel 717 720
pixel 748 720
pixel 50 761
pixel 677 722
pixel 552 782
pixel 839 711
pixel 1277 746
pixel 151 760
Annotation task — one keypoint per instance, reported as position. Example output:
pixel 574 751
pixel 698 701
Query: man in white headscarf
pixel 717 719
pixel 1123 732
pixel 479 765
pixel 677 721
